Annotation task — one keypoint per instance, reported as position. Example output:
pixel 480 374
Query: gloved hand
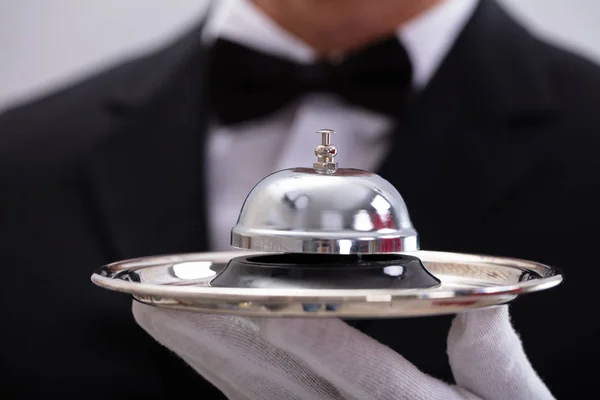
pixel 316 359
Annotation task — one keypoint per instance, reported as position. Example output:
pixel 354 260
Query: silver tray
pixel 467 281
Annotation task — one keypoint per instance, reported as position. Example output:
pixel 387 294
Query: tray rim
pixel 552 277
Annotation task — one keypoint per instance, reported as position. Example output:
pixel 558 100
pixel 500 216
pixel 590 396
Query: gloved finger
pixel 165 329
pixel 360 367
pixel 228 352
pixel 488 359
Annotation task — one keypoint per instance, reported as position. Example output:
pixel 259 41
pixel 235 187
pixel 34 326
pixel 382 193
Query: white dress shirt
pixel 241 155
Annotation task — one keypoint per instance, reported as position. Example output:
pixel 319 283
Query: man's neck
pixel 340 26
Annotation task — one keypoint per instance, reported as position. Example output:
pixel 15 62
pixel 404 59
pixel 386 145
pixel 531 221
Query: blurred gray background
pixel 47 43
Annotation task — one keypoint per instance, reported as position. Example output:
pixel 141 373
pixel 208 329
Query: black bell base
pixel 326 271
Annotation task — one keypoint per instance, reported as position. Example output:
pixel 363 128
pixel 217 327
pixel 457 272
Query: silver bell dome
pixel 324 209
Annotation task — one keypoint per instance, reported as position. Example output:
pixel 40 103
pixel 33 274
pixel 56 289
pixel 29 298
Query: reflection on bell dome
pixel 324 209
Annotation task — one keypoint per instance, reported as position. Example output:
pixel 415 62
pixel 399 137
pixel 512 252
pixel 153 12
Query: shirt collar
pixel 427 38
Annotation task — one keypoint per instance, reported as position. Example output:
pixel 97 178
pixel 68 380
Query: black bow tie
pixel 246 84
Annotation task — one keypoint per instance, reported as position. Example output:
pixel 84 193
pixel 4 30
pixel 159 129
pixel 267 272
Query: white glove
pixel 317 359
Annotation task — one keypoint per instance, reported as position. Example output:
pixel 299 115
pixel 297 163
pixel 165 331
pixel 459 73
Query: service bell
pixel 326 227
pixel 325 209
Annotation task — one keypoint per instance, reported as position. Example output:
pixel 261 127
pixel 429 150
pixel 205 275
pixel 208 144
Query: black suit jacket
pixel 499 155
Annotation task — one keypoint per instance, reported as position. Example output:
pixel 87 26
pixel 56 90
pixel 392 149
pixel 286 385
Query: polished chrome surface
pixel 325 153
pixel 467 281
pixel 324 209
pixel 347 211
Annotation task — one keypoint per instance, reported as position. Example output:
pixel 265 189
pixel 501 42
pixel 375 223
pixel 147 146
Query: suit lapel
pixel 146 179
pixel 462 148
